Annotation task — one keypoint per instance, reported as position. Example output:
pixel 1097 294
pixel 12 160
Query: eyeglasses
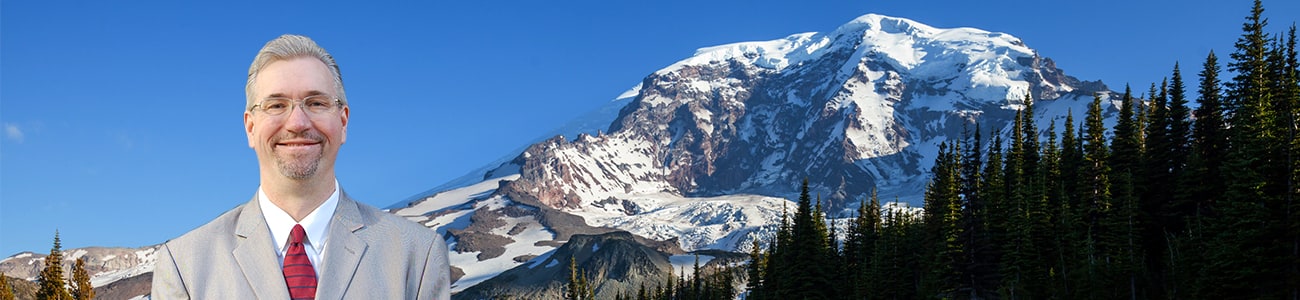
pixel 314 104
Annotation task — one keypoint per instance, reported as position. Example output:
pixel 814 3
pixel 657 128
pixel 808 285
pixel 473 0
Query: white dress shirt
pixel 316 224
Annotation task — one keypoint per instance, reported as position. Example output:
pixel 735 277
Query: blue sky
pixel 122 123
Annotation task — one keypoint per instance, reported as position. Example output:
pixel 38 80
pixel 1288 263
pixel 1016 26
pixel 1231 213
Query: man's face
pixel 296 144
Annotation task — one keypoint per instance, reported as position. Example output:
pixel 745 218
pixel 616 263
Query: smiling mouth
pixel 297 144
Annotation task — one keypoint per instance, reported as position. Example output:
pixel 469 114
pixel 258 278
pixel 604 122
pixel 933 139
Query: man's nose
pixel 297 119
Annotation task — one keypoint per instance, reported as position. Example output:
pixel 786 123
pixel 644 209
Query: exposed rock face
pixel 125 272
pixel 127 288
pixel 104 265
pixel 852 110
pixel 614 261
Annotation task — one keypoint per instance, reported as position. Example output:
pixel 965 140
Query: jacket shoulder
pixel 397 225
pixel 220 227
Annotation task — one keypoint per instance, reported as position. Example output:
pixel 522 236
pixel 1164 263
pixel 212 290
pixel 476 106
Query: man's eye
pixel 317 103
pixel 273 105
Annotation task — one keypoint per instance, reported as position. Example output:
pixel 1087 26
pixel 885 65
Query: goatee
pixel 299 166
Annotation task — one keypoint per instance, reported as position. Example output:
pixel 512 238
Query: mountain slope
pixel 852 110
pixel 116 273
pixel 704 152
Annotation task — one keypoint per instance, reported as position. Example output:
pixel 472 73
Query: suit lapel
pixel 256 254
pixel 344 250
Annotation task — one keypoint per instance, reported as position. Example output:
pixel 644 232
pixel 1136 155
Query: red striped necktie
pixel 298 273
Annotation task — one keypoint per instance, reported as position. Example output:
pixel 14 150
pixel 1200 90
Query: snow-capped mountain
pixel 116 273
pixel 703 153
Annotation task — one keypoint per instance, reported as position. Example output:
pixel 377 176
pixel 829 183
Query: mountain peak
pixel 704 152
pixel 887 24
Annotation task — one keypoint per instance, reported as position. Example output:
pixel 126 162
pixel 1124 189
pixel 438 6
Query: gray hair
pixel 291 46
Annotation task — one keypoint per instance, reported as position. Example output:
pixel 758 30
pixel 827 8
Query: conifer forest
pixel 1176 201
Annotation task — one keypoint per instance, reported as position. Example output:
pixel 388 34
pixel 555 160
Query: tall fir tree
pixel 1203 184
pixel 753 272
pixel 50 283
pixel 6 290
pixel 81 288
pixel 1055 210
pixel 1067 220
pixel 1164 159
pixel 1210 141
pixel 1122 223
pixel 1178 139
pixel 1242 246
pixel 1126 163
pixel 1014 238
pixel 1291 94
pixel 811 279
pixel 859 248
pixel 979 273
pixel 1095 195
pixel 578 288
pixel 777 282
pixel 995 219
pixel 941 219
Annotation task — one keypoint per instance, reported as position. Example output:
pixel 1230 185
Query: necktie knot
pixel 298 235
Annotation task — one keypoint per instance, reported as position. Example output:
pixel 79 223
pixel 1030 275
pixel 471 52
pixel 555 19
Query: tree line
pixel 703 283
pixel 50 282
pixel 1175 204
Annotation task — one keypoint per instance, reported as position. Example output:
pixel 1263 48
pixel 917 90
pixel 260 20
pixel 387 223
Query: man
pixel 301 236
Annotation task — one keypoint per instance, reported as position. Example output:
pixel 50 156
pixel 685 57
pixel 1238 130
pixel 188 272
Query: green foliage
pixel 940 218
pixel 578 288
pixel 81 288
pixel 6 291
pixel 50 280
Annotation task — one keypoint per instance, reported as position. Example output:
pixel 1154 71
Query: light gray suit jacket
pixel 371 254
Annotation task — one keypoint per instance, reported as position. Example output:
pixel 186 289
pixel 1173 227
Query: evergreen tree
pixel 1096 197
pixel 995 220
pixel 697 284
pixel 859 248
pixel 578 288
pixel 895 261
pixel 6 291
pixel 1014 238
pixel 776 280
pixel 978 276
pixel 1155 165
pixel 50 281
pixel 81 288
pixel 1179 142
pixel 671 291
pixel 944 256
pixel 811 279
pixel 1290 109
pixel 1243 246
pixel 1067 221
pixel 1026 233
pixel 1056 211
pixel 754 272
pixel 1210 140
pixel 1187 275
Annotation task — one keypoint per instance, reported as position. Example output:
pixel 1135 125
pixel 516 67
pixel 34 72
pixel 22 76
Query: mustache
pixel 309 135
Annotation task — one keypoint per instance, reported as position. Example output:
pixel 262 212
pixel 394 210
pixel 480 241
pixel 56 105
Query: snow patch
pixel 687 261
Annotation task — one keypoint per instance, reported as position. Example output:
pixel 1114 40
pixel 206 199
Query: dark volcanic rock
pixel 615 262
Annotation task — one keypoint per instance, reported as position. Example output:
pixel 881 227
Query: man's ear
pixel 248 127
pixel 344 119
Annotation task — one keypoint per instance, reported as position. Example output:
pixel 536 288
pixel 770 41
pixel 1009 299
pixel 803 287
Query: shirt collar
pixel 315 223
